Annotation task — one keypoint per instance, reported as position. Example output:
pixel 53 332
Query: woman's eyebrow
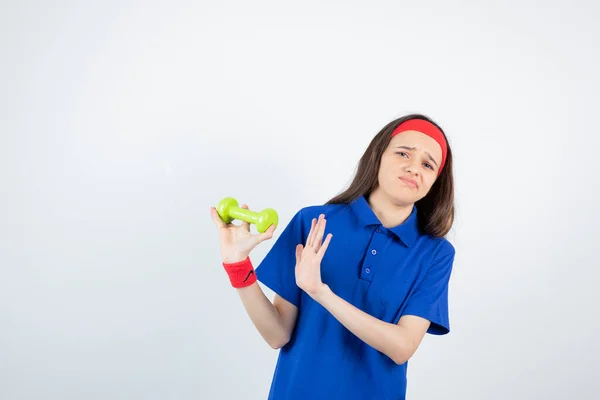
pixel 412 148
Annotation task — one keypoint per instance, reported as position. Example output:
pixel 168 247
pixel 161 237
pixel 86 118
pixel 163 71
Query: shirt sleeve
pixel 277 269
pixel 430 300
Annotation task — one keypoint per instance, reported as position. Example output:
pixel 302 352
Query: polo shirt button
pixel 378 230
pixel 373 251
pixel 368 270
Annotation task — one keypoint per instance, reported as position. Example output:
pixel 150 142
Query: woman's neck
pixel 388 213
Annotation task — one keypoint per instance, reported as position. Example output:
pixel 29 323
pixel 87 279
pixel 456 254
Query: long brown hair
pixel 435 211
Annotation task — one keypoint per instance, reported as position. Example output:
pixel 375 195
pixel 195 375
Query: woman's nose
pixel 412 167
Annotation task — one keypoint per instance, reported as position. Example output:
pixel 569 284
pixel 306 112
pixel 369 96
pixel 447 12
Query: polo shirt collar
pixel 407 232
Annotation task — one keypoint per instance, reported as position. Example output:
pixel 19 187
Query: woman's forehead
pixel 418 140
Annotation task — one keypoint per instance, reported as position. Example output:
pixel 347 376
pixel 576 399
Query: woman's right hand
pixel 237 241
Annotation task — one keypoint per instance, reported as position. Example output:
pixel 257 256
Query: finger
pixel 318 226
pixel 320 232
pixel 269 232
pixel 309 239
pixel 244 224
pixel 216 219
pixel 261 237
pixel 315 240
pixel 323 248
pixel 298 253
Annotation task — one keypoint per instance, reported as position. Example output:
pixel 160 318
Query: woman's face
pixel 409 166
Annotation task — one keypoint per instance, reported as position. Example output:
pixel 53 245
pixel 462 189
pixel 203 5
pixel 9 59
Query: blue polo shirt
pixel 387 273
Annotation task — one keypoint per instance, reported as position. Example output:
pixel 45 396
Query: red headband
pixel 429 129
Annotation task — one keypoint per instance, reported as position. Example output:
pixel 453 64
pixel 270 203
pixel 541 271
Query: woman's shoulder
pixel 439 246
pixel 329 210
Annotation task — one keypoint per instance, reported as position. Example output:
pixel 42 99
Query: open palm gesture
pixel 308 259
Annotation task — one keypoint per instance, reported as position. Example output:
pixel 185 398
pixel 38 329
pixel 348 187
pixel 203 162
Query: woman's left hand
pixel 308 259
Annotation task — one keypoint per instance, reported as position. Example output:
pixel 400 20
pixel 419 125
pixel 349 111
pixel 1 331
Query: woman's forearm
pixel 265 316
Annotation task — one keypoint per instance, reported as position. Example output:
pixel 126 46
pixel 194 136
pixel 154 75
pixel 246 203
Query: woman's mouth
pixel 409 182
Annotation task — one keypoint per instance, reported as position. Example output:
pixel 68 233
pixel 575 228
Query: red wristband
pixel 241 273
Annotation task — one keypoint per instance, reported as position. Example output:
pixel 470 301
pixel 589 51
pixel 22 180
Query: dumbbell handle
pixel 243 214
pixel 230 210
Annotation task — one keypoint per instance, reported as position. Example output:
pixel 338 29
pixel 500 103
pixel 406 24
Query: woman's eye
pixel 427 165
pixel 402 153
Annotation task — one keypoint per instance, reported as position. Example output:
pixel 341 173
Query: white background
pixel 121 123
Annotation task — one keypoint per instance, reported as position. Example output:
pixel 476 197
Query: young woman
pixel 359 280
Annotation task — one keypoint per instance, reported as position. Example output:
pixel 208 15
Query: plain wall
pixel 121 123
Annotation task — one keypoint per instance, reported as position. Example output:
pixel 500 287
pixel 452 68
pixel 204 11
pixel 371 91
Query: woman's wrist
pixel 241 273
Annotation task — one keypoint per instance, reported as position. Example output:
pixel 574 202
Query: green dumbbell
pixel 229 209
